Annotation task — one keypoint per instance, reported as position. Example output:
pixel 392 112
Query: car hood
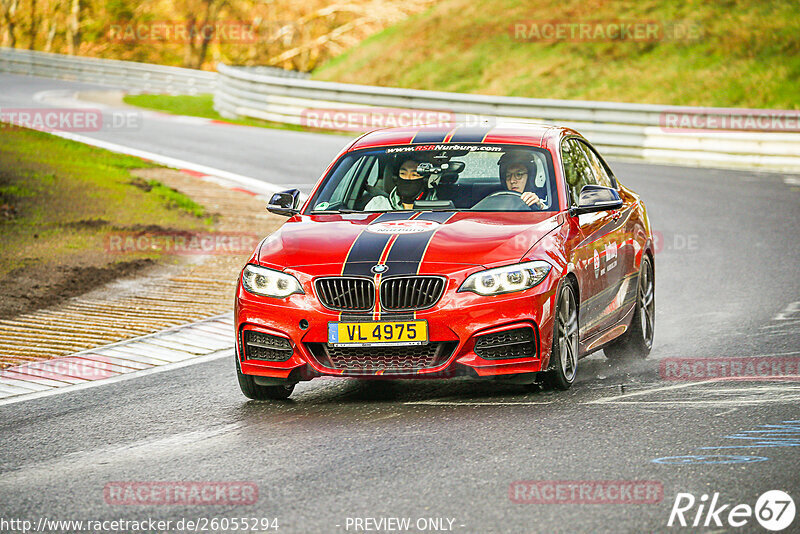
pixel 354 243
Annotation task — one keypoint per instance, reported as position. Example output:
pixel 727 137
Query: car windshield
pixel 478 177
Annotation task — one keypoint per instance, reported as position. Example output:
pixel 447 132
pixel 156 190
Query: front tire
pixel 253 391
pixel 564 352
pixel 637 341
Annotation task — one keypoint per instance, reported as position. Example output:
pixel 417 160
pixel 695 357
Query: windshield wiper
pixel 343 210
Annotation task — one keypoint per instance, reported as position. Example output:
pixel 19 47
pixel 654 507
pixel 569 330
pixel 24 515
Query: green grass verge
pixel 746 54
pixel 59 200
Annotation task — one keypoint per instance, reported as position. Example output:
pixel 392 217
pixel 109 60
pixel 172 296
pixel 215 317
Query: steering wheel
pixel 502 201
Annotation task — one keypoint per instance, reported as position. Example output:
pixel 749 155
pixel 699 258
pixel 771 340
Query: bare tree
pixel 33 27
pixel 200 35
pixel 74 28
pixel 10 22
pixel 50 28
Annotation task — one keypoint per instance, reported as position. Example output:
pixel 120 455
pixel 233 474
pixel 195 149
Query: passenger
pixel 518 173
pixel 411 186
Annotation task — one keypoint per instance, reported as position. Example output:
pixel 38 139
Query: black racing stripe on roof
pixel 429 137
pixel 470 134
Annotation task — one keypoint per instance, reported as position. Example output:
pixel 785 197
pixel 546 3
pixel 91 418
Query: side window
pixel 338 194
pixel 598 169
pixel 577 169
pixel 352 183
pixel 374 174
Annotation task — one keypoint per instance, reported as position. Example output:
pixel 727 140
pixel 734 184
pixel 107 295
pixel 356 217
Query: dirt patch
pixel 62 203
pixel 141 184
pixel 7 212
pixel 87 223
pixel 37 286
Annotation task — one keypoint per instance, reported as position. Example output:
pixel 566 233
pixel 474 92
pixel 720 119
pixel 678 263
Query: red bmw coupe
pixel 505 251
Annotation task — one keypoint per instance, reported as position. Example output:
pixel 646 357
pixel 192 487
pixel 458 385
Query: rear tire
pixel 564 352
pixel 637 340
pixel 253 391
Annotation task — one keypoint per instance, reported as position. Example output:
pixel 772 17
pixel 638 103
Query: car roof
pixel 529 134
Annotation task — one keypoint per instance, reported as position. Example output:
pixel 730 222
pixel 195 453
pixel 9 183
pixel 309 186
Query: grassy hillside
pixel 747 53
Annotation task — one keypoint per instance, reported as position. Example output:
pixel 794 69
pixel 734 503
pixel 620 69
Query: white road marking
pixel 785 322
pixel 737 402
pixel 118 361
pixel 725 396
pixel 149 360
pixel 13 390
pixel 118 378
pixel 789 313
pixel 476 403
pixel 162 351
pixel 650 390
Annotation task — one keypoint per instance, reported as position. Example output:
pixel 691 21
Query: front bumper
pixel 455 322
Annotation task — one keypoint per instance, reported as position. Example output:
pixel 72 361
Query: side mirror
pixel 596 198
pixel 285 203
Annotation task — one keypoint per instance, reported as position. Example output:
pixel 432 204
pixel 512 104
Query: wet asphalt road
pixel 341 449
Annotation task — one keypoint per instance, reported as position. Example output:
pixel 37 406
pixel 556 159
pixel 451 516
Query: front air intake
pixel 261 346
pixel 515 343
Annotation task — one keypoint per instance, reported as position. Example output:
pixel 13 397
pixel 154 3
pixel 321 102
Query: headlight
pixel 268 282
pixel 506 279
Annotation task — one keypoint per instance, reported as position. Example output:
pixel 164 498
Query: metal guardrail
pixel 128 75
pixel 627 130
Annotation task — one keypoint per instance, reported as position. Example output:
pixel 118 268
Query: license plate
pixel 378 334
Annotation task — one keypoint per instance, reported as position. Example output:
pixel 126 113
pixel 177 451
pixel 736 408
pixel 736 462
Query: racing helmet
pixel 528 160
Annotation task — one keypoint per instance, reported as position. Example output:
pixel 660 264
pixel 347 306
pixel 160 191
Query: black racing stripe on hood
pixel 408 250
pixel 366 250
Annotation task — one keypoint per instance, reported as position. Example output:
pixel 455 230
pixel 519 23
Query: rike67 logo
pixel 774 510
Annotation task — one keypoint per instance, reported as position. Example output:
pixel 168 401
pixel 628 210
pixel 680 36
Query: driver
pixel 411 186
pixel 518 173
